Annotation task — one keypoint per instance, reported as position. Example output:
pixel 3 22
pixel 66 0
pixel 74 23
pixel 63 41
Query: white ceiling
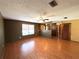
pixel 31 10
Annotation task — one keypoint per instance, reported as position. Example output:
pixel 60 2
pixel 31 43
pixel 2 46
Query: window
pixel 27 29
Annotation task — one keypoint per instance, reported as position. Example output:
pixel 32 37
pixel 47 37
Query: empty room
pixel 39 29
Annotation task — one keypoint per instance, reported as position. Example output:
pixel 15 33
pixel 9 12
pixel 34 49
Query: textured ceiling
pixel 31 10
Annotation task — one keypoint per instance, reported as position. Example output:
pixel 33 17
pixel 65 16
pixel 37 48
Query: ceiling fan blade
pixel 50 15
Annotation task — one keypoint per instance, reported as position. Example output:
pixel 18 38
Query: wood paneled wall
pixel 13 30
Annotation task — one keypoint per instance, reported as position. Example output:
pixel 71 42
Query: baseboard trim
pixel 75 41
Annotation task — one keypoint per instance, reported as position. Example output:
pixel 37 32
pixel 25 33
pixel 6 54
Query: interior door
pixel 66 32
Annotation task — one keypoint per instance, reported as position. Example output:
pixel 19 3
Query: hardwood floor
pixel 42 48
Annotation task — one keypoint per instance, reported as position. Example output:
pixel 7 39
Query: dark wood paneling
pixel 13 29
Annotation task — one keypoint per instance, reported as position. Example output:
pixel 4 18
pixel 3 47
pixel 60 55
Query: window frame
pixel 28 25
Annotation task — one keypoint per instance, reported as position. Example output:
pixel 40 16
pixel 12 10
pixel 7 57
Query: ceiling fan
pixel 43 19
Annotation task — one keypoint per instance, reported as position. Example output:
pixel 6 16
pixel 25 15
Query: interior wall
pixel 13 30
pixel 1 37
pixel 74 29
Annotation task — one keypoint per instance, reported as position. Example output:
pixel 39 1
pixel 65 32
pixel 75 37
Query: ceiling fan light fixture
pixel 41 18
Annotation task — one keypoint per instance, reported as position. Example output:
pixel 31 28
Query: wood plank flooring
pixel 42 48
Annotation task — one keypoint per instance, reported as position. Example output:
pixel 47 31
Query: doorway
pixel 65 31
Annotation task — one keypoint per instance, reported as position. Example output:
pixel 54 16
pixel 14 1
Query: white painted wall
pixel 1 37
